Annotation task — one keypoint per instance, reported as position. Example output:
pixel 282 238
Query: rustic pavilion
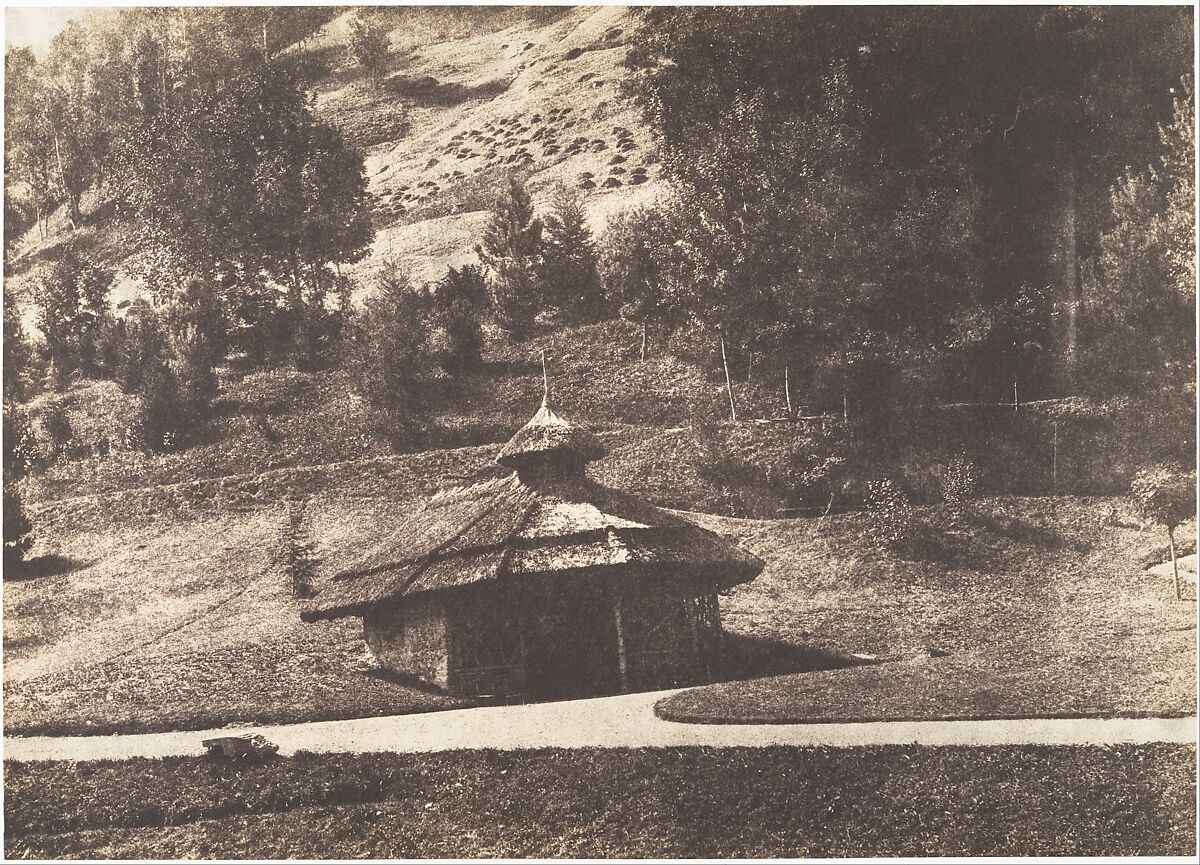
pixel 543 584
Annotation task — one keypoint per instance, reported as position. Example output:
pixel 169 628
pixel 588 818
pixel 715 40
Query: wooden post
pixel 643 339
pixel 1174 563
pixel 545 380
pixel 622 664
pixel 728 382
pixel 787 390
pixel 1054 463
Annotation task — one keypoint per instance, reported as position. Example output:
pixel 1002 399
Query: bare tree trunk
pixel 643 356
pixel 728 382
pixel 1174 563
pixel 1054 463
pixel 72 201
pixel 1015 402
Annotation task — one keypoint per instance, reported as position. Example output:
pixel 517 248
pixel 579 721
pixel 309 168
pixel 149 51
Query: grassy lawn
pixel 186 624
pixel 1023 607
pixel 185 619
pixel 780 802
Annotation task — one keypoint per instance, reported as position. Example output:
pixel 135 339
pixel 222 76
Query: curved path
pixel 626 721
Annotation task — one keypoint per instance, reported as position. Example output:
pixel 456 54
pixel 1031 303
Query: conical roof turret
pixel 549 437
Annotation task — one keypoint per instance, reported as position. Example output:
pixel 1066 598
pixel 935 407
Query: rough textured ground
pixel 692 802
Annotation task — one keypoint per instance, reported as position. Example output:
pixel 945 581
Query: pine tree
pixel 568 271
pixel 388 353
pixel 510 252
pixel 461 296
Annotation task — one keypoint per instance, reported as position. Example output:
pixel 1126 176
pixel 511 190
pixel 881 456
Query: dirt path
pixel 626 721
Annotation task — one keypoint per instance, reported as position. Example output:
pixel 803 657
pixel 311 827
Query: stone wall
pixel 410 639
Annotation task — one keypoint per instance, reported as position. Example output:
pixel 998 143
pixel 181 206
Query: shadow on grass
pixel 52 565
pixel 427 90
pixel 755 657
pixel 403 680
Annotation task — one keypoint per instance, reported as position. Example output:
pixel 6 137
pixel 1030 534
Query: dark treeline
pixel 907 207
pixel 931 201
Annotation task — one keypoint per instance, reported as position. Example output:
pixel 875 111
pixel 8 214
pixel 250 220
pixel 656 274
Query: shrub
pixel 18 530
pixel 369 46
pixel 894 515
pixel 959 482
pixel 460 297
pixel 57 425
pixel 164 416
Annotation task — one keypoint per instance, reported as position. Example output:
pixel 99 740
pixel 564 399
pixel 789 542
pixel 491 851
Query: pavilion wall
pixel 411 639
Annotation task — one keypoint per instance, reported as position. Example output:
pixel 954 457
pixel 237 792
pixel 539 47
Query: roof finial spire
pixel 545 381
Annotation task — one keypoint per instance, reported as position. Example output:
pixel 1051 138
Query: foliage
pixel 72 298
pixel 369 45
pixel 233 181
pixel 460 298
pixel 165 418
pixel 568 269
pixel 18 354
pixel 17 462
pixel 894 517
pixel 196 321
pixel 389 352
pixel 960 482
pixel 297 552
pixel 639 264
pixel 57 424
pixel 18 529
pixel 808 240
pixel 1140 307
pixel 143 341
pixel 510 253
pixel 1165 494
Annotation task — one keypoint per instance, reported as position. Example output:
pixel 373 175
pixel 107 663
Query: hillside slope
pixel 469 96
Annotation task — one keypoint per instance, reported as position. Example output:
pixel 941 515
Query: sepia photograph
pixel 599 432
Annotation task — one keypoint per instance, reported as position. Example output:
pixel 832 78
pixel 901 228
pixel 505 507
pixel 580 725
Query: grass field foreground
pixel 1015 607
pixel 892 801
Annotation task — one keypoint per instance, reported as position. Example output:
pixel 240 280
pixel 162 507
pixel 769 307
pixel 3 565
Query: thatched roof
pixel 565 525
pixel 548 434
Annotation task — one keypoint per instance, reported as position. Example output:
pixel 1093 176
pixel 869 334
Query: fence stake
pixel 1054 469
pixel 787 389
pixel 728 382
